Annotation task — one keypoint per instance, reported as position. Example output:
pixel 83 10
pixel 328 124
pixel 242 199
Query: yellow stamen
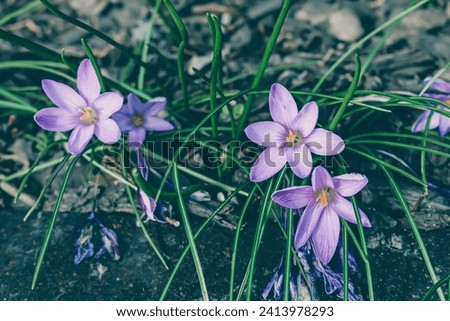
pixel 137 120
pixel 322 198
pixel 88 115
pixel 447 101
pixel 291 137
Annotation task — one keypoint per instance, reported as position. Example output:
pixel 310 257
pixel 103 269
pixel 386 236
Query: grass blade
pixel 196 235
pixel 348 96
pixel 413 226
pixel 47 185
pixel 265 60
pixel 48 234
pixel 189 235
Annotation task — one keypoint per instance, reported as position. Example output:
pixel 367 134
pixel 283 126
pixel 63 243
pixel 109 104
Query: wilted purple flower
pixel 324 202
pixel 87 112
pixel 110 243
pixel 290 138
pixel 150 210
pixel 84 245
pixel 437 120
pixel 137 118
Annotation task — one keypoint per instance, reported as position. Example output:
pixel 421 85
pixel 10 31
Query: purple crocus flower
pixel 291 137
pixel 324 202
pixel 87 112
pixel 137 118
pixel 437 120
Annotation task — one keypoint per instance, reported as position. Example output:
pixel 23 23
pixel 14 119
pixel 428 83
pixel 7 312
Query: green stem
pixel 190 236
pixel 52 221
pixel 265 60
pixel 145 46
pixel 34 166
pixel 348 97
pixel 196 235
pixel 29 7
pixel 288 254
pixel 217 50
pixel 236 239
pixel 361 42
pixel 267 204
pixel 47 185
pixel 414 228
pixel 53 9
pixel 136 213
pixel 93 60
pixel 184 42
pixel 345 262
pixel 435 287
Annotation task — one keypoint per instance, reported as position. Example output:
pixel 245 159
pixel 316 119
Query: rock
pixel 260 10
pixel 425 19
pixel 345 25
pixel 241 37
pixel 314 13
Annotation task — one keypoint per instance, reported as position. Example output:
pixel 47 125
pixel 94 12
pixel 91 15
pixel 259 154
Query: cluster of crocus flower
pixel 89 112
pixel 291 138
pixel 436 120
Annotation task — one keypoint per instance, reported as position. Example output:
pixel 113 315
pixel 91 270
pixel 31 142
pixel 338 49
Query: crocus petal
pixel 439 85
pixel 87 81
pixel 266 133
pixel 107 104
pixel 349 184
pixel 157 124
pixel 154 106
pixel 123 119
pixel 321 179
pixel 444 125
pixel 324 142
pixel 136 136
pixel 268 164
pixel 63 96
pixel 134 104
pixel 79 138
pixel 56 119
pixel 326 235
pixel 282 105
pixel 421 122
pixel 301 163
pixel 308 223
pixel 344 209
pixel 294 197
pixel 107 131
pixel 306 119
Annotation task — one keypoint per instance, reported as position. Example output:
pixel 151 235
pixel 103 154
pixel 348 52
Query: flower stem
pixel 267 204
pixel 146 44
pixel 345 262
pixel 348 96
pixel 265 60
pixel 190 236
pixel 135 211
pixel 48 234
pixel 414 228
pixel 288 254
pixel 236 239
pixel 196 235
